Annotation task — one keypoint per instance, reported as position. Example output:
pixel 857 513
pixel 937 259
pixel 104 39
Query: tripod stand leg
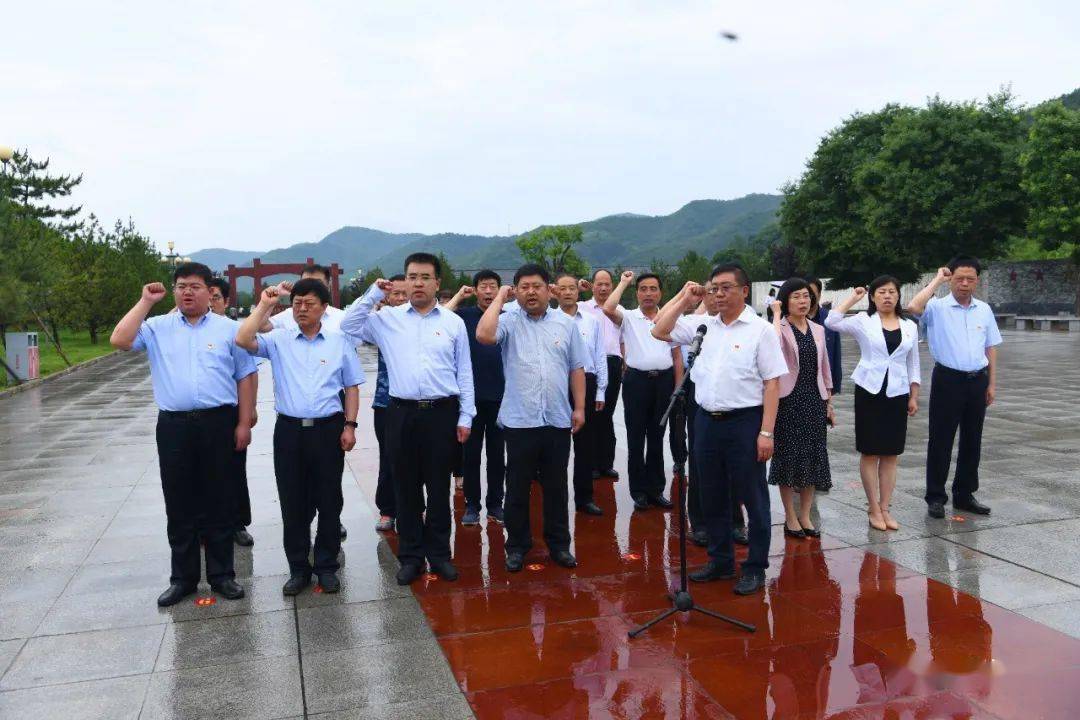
pixel 725 618
pixel 662 616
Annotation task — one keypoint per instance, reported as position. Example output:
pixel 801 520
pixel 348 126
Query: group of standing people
pixel 528 381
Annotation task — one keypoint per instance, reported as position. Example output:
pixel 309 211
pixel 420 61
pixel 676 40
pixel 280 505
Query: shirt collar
pixel 745 316
pixel 201 321
pixel 301 336
pixel 436 309
pixel 951 300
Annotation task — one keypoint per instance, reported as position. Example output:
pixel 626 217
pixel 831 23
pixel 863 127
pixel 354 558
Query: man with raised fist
pixel 203 386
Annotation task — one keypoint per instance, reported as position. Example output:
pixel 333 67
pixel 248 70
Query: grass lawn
pixel 76 346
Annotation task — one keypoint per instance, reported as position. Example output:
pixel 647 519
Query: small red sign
pixel 205 601
pixel 535 566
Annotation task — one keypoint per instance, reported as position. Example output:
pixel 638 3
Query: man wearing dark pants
pixel 488 383
pixel 604 431
pixel 312 365
pixel 203 387
pixel 426 349
pixel 652 370
pixel 963 337
pixel 542 351
pixel 737 387
pixel 567 291
pixel 219 301
pixel 384 488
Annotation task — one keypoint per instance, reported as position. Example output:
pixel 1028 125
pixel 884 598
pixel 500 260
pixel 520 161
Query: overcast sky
pixel 258 125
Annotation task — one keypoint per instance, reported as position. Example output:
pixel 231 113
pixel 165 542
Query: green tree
pixel 1051 176
pixel 553 246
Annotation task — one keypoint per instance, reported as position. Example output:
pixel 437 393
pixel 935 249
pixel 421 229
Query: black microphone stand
pixel 681 600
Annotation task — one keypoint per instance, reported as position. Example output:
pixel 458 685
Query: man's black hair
pixel 423 258
pixel 316 268
pixel 649 276
pixel 965 261
pixel 221 284
pixel 529 269
pixel 735 269
pixel 396 278
pixel 190 269
pixel 311 286
pixel 486 274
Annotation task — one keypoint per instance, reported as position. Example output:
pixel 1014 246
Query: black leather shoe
pixel 660 501
pixel 750 583
pixel 564 558
pixel 329 582
pixel 344 532
pixel 739 536
pixel 515 562
pixel 243 538
pixel 611 473
pixel 229 589
pixel 712 571
pixel 175 594
pixel 794 534
pixel 295 584
pixel 970 505
pixel 936 510
pixel 408 572
pixel 641 503
pixel 444 569
pixel 595 474
pixel 700 538
pixel 590 509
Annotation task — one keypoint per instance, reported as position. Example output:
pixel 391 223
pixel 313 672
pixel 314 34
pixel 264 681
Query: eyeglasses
pixel 217 297
pixel 194 287
pixel 306 304
pixel 413 277
pixel 722 289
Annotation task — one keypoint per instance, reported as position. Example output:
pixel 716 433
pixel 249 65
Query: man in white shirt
pixel 602 284
pixel 652 370
pixel 596 380
pixel 736 381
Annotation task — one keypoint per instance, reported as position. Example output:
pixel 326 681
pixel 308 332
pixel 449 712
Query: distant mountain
pixel 626 238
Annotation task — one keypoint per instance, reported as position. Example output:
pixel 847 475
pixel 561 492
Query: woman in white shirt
pixel 887 382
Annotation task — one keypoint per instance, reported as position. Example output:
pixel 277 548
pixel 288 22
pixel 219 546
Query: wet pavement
pixel 964 617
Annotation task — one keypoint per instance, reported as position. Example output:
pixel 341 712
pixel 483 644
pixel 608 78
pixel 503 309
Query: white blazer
pixel 902 365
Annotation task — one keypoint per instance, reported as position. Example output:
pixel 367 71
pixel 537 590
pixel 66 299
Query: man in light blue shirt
pixel 542 350
pixel 203 385
pixel 380 401
pixel 963 337
pixel 426 350
pixel 312 365
pixel 567 290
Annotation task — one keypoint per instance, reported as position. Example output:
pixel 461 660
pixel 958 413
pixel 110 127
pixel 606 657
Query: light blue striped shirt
pixel 427 356
pixel 595 355
pixel 958 336
pixel 538 356
pixel 193 366
pixel 309 374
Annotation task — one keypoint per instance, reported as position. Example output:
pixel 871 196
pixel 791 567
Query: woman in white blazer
pixel 887 382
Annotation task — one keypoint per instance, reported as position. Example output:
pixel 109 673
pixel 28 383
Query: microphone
pixel 695 345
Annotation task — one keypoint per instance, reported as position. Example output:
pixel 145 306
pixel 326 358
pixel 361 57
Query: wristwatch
pixel 352 423
pixel 766 433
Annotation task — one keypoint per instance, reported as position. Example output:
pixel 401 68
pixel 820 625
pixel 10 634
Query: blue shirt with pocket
pixel 958 336
pixel 309 373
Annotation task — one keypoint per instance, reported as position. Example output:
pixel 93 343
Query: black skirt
pixel 880 422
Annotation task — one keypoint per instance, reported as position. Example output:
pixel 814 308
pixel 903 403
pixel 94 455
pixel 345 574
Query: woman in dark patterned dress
pixel 800 462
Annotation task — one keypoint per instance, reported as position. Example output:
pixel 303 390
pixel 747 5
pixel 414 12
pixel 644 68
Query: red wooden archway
pixel 260 272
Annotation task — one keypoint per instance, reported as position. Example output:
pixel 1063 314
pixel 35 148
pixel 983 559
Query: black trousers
pixel 485 424
pixel 957 400
pixel 384 489
pixel 645 397
pixel 537 453
pixel 604 435
pixel 422 441
pixel 241 496
pixel 585 445
pixel 196 457
pixel 308 462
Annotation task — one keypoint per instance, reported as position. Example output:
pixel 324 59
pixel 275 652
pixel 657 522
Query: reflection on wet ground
pixel 841 633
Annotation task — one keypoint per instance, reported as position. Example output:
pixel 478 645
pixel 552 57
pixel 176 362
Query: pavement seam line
pixel 300 658
pixel 1009 562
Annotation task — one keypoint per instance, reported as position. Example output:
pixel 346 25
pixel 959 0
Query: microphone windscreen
pixel 702 329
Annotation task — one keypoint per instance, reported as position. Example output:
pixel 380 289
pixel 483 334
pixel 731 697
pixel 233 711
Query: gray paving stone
pixel 267 688
pixel 227 640
pixel 8 650
pixel 934 555
pixel 1060 616
pixel 341 627
pixel 110 699
pixel 1010 586
pixel 447 706
pixel 56 659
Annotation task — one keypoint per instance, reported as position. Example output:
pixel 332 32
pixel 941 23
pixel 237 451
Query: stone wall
pixel 1036 287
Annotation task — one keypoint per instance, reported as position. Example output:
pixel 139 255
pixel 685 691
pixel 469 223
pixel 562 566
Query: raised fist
pixel 944 273
pixel 506 293
pixel 627 276
pixel 284 287
pixel 384 285
pixel 584 285
pixel 859 291
pixel 270 295
pixel 467 291
pixel 694 290
pixel 153 292
pixel 775 307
